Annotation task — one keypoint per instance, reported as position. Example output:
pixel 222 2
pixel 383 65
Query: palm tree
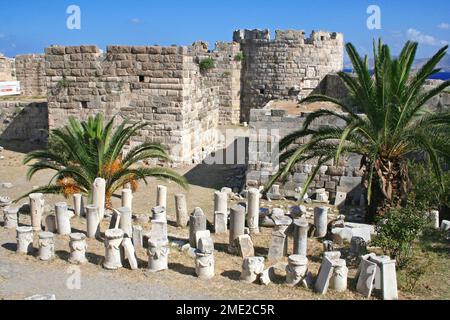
pixel 81 152
pixel 392 125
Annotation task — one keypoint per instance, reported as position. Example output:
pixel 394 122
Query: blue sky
pixel 28 26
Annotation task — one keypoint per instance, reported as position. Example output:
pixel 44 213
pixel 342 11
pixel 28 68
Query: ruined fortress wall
pixel 6 69
pixel 30 71
pixel 287 67
pixel 344 176
pixel 23 121
pixel 226 75
pixel 159 85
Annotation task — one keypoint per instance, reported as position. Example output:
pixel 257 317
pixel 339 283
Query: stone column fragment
pixel 301 227
pixel 161 196
pixel 221 201
pixel 321 221
pixel 197 222
pixel 46 246
pixel 159 213
pixel 36 210
pixel 78 248
pixel 220 222
pixel 62 219
pixel 24 239
pixel 204 265
pixel 98 196
pixel 296 269
pixel 181 210
pixel 338 280
pixel 93 222
pixel 78 205
pixel 125 222
pixel 158 255
pixel 252 267
pixel 127 199
pixel 253 197
pixel 11 218
pixel 237 227
pixel 138 237
pixel 113 240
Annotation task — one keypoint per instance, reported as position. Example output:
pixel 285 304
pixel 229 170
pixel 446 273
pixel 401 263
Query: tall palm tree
pixel 83 151
pixel 392 124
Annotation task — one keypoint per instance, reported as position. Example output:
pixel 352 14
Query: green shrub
pixel 239 56
pixel 426 188
pixel 398 230
pixel 206 64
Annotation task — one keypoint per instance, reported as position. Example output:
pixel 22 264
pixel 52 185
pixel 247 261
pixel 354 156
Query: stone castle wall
pixel 6 69
pixel 159 85
pixel 30 71
pixel 23 121
pixel 265 123
pixel 288 67
pixel 226 75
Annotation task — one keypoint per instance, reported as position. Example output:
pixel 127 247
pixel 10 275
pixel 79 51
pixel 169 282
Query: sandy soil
pixel 22 276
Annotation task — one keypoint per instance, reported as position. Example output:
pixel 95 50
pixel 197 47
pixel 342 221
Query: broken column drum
pixel 253 197
pixel 127 199
pixel 338 281
pixel 62 219
pixel 36 210
pixel 138 237
pixel 296 269
pixel 197 222
pixel 98 196
pixel 237 226
pixel 220 201
pixel 46 246
pixel 252 267
pixel 161 196
pixel 78 205
pixel 301 227
pixel 220 222
pixel 159 213
pixel 125 222
pixel 93 222
pixel 24 239
pixel 321 221
pixel 181 210
pixel 78 248
pixel 11 218
pixel 158 255
pixel 113 241
pixel 204 264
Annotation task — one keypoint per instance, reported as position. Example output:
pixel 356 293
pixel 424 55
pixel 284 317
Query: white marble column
pixel 113 240
pixel 36 210
pixel 98 196
pixel 220 201
pixel 181 209
pixel 125 222
pixel 62 219
pixel 127 199
pixel 204 265
pixel 78 248
pixel 296 269
pixel 237 226
pixel 321 221
pixel 92 221
pixel 78 205
pixel 301 227
pixel 161 196
pixel 338 281
pixel 252 267
pixel 46 246
pixel 197 222
pixel 253 197
pixel 158 255
pixel 24 239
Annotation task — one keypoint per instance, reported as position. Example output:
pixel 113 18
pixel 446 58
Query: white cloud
pixel 135 21
pixel 445 26
pixel 416 35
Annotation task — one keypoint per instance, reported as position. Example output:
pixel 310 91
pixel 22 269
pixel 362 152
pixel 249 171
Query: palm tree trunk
pixel 389 188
